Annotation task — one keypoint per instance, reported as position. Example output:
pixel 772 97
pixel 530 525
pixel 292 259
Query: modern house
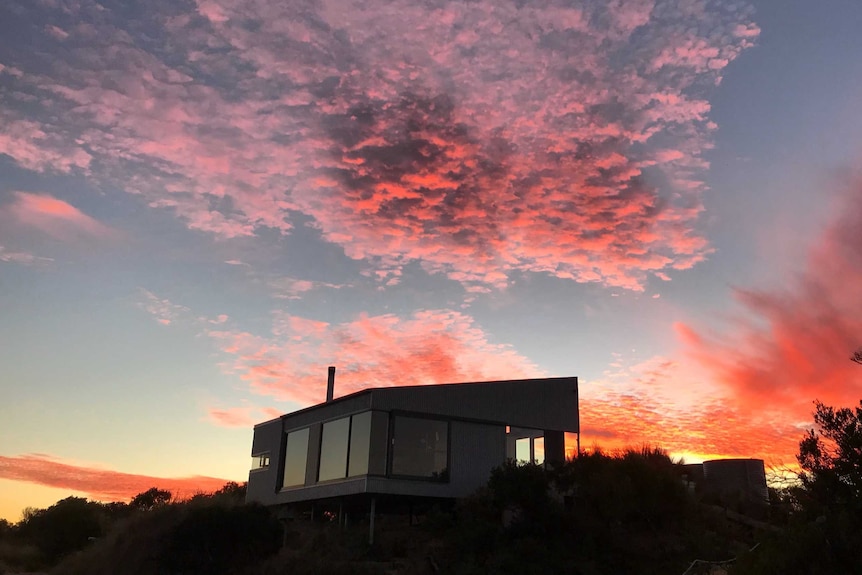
pixel 432 441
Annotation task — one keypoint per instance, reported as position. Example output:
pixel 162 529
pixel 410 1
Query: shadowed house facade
pixel 437 441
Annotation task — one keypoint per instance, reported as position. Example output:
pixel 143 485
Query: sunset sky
pixel 205 203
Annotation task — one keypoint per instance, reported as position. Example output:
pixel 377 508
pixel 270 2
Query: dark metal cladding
pixel 477 415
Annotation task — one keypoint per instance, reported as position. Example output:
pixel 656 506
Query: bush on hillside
pixel 65 527
pixel 596 514
pixel 203 537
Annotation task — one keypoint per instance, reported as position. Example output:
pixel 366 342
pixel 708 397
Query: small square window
pixel 260 461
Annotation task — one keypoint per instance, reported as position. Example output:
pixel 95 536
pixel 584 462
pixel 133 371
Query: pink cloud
pixel 57 32
pixel 435 346
pixel 165 311
pixel 245 416
pixel 477 139
pixel 292 288
pixel 54 216
pixel 36 146
pixel 101 484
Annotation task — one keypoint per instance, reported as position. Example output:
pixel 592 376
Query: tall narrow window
pixel 333 449
pixel 360 440
pixel 522 450
pixel 539 450
pixel 295 458
pixel 420 448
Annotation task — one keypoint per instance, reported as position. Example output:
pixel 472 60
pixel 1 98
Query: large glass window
pixel 420 447
pixel 295 458
pixel 344 447
pixel 333 449
pixel 360 440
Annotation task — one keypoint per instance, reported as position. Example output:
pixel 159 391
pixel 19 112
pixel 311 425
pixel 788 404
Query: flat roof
pixel 438 390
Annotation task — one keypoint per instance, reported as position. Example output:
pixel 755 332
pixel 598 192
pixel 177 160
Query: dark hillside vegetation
pixel 597 514
pixel 622 513
pixel 823 534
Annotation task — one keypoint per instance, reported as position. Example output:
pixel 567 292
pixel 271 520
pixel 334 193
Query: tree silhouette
pixel 151 498
pixel 62 528
pixel 831 456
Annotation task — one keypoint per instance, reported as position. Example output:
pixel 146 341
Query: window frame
pixel 349 446
pixel 446 476
pixel 264 460
pixel 287 435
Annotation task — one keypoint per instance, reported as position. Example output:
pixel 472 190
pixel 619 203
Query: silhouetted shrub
pixel 150 499
pixel 595 515
pixel 66 526
pixel 205 537
pixel 215 539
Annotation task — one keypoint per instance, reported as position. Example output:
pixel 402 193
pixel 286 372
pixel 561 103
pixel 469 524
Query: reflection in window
pixel 522 450
pixel 260 461
pixel 360 439
pixel 571 443
pixel 525 445
pixel 420 447
pixel 333 449
pixel 539 450
pixel 295 458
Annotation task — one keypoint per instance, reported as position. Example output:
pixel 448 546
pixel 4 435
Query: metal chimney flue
pixel 330 384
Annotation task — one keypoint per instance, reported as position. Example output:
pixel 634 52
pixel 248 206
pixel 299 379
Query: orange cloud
pixel 713 429
pixel 670 403
pixel 101 484
pixel 791 344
